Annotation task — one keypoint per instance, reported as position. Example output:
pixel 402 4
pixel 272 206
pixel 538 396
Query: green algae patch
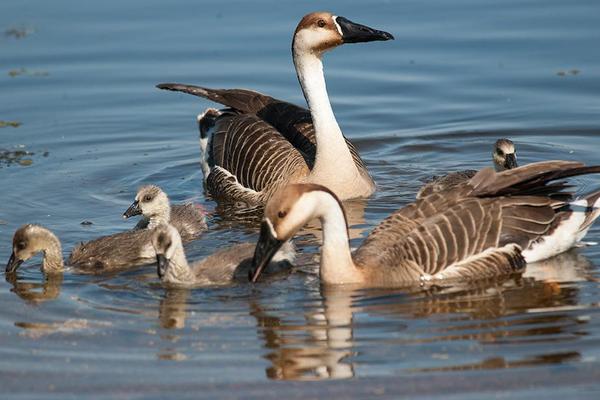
pixel 12 124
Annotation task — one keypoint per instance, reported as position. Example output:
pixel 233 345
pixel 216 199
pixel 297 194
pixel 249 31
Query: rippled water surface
pixel 83 126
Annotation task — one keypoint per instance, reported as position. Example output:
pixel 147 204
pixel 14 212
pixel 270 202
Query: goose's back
pixel 121 250
pixel 189 220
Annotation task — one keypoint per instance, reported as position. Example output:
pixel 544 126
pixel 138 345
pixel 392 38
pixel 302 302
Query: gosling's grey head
pixel 30 240
pixel 319 32
pixel 504 155
pixel 151 202
pixel 170 260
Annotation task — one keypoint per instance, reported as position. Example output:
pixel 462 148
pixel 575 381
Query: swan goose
pixel 259 144
pixel 491 225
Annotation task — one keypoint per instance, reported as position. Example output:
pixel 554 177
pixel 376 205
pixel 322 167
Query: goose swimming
pixel 259 144
pixel 219 268
pixel 107 253
pixel 504 157
pixel 153 204
pixel 491 225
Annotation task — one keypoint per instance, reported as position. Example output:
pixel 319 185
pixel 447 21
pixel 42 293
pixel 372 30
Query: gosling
pixel 223 267
pixel 107 253
pixel 153 204
pixel 504 157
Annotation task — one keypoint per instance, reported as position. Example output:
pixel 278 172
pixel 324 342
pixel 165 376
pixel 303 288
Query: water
pixel 80 76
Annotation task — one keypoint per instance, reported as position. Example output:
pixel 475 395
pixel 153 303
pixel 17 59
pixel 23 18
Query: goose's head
pixel 286 212
pixel 165 241
pixel 150 201
pixel 504 155
pixel 319 32
pixel 28 241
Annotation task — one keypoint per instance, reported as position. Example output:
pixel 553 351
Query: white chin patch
pixel 337 26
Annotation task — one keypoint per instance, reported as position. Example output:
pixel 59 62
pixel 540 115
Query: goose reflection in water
pixel 486 316
pixel 36 292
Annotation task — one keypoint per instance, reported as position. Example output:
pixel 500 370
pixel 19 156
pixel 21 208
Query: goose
pixel 259 144
pixel 504 157
pixel 106 253
pixel 489 226
pixel 219 268
pixel 153 204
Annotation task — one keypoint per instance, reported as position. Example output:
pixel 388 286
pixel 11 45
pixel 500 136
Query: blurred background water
pixel 83 126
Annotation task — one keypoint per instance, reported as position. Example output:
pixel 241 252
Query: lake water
pixel 77 78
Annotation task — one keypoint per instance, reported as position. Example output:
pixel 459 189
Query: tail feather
pixel 592 212
pixel 531 179
pixel 243 100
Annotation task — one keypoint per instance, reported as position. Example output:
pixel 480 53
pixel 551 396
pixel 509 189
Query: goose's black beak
pixel 134 209
pixel 266 247
pixel 510 161
pixel 13 264
pixel 161 265
pixel 357 33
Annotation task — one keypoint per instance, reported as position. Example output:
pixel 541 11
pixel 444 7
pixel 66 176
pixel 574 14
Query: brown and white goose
pixel 504 157
pixel 491 225
pixel 153 204
pixel 107 253
pixel 221 267
pixel 259 144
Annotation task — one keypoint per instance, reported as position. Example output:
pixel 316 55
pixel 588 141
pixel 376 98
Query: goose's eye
pixel 321 23
pixel 21 245
pixel 147 198
pixel 282 214
pixel 499 152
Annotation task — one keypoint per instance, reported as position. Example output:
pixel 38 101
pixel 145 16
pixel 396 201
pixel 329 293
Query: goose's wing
pixel 466 223
pixel 252 159
pixel 476 238
pixel 291 121
pixel 445 182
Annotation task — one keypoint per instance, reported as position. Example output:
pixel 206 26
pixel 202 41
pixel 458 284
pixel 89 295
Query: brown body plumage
pixel 488 226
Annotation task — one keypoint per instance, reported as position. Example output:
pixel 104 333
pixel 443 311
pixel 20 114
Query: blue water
pixel 458 76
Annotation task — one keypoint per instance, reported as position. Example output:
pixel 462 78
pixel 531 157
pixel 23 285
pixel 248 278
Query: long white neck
pixel 333 159
pixel 162 216
pixel 336 260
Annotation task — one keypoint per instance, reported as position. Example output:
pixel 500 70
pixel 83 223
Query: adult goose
pixel 258 143
pixel 219 268
pixel 153 204
pixel 504 157
pixel 106 253
pixel 491 225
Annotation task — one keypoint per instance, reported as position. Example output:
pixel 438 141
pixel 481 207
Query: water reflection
pixel 534 310
pixel 36 292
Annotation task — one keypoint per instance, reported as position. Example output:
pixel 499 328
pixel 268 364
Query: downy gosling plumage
pixel 504 157
pixel 489 226
pixel 222 267
pixel 153 204
pixel 107 253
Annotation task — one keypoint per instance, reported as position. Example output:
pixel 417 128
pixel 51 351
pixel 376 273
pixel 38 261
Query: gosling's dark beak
pixel 134 209
pixel 161 265
pixel 266 247
pixel 357 33
pixel 510 161
pixel 13 264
